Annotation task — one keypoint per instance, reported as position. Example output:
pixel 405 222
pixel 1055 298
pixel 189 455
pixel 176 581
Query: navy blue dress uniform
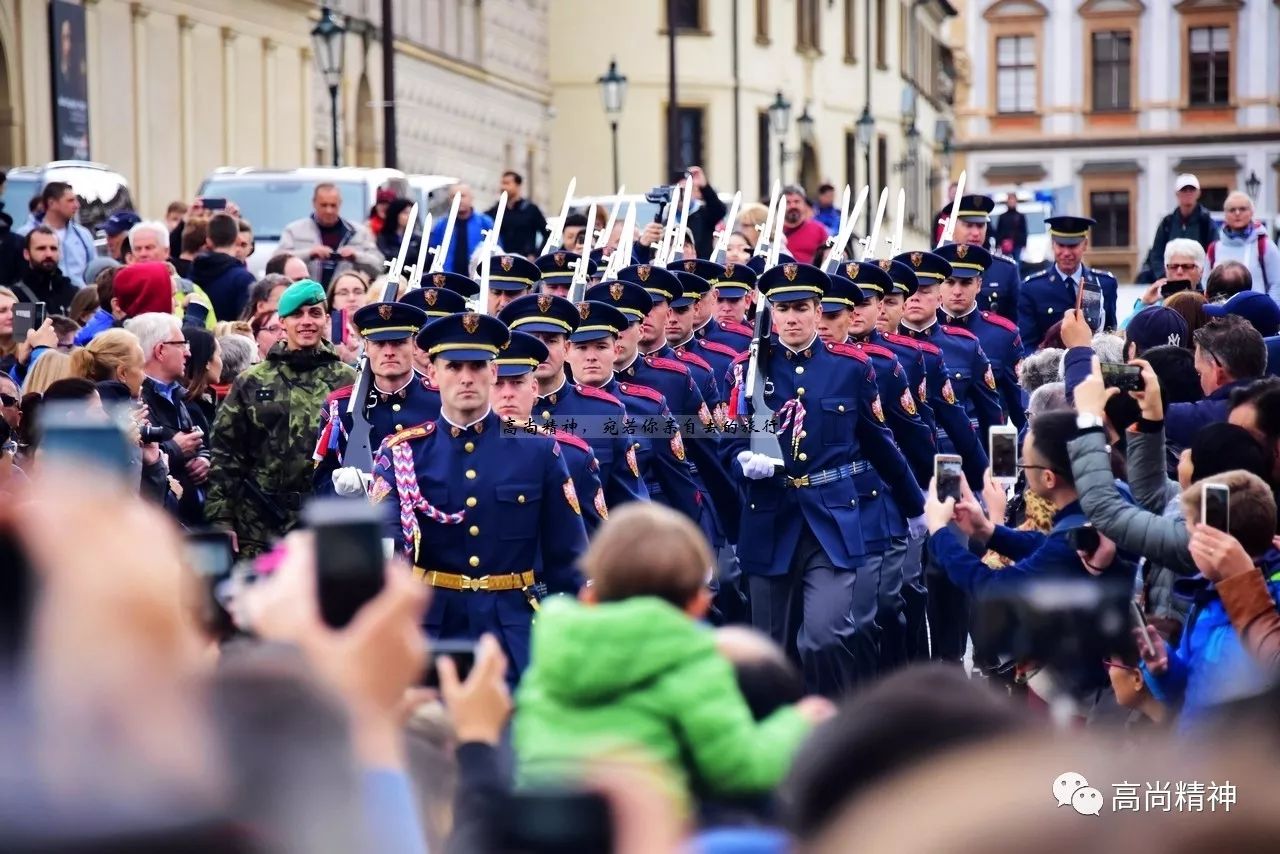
pixel 588 408
pixel 1048 295
pixel 558 268
pixel 718 356
pixel 491 521
pixel 667 474
pixel 692 289
pixel 997 335
pixel 1000 280
pixel 388 412
pixel 519 359
pixel 850 287
pixel 733 281
pixel 813 579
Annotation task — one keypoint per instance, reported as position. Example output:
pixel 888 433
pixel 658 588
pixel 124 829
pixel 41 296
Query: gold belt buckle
pixel 474 584
pixel 800 482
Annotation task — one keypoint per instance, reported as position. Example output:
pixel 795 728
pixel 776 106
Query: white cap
pixel 1186 179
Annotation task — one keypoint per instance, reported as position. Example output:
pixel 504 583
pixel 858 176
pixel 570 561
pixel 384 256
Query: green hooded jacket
pixel 610 678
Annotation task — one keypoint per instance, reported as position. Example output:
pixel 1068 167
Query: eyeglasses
pixel 1181 266
pixel 182 343
pixel 1111 662
pixel 8 400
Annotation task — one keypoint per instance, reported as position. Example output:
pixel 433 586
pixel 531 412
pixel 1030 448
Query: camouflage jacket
pixel 262 441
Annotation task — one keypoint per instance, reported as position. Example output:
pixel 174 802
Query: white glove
pixel 757 466
pixel 349 480
pixel 916 527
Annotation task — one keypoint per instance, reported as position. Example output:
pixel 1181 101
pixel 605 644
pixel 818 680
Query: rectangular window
pixel 882 38
pixel 1214 198
pixel 1111 70
pixel 685 14
pixel 882 164
pixel 1016 74
pixel 850 30
pixel 1111 210
pixel 851 158
pixel 762 21
pixel 1209 67
pixel 808 25
pixel 762 152
pixel 689 144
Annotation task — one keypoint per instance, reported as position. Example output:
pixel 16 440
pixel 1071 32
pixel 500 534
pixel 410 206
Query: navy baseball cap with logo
pixel 1155 327
pixel 793 282
pixel 1069 230
pixel 928 268
pixel 388 321
pixel 436 302
pixel 966 261
pixel 544 313
pixel 633 301
pixel 599 320
pixel 464 337
pixel 120 222
pixel 521 356
pixel 1258 308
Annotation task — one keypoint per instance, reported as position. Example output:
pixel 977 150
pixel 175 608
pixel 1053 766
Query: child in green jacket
pixel 630 670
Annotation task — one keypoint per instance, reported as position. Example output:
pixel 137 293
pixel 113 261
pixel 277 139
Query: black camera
pixel 660 196
pixel 149 433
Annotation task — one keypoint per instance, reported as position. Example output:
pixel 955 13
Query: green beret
pixel 300 293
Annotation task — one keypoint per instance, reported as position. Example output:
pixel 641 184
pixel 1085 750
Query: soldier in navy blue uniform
pixel 398 397
pixel 491 521
pixel 513 399
pixel 997 335
pixel 580 409
pixel 510 277
pixel 1000 280
pixel 557 269
pixel 661 458
pixel 693 332
pixel 813 579
pixel 446 294
pixel 850 309
pixel 1047 295
pixel 680 343
pixel 733 286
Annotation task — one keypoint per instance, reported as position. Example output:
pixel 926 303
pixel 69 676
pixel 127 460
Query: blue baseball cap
pixel 1156 326
pixel 1258 308
pixel 120 222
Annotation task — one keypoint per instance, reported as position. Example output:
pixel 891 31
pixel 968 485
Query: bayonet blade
pixel 868 246
pixel 948 233
pixel 722 240
pixel 555 238
pixel 442 251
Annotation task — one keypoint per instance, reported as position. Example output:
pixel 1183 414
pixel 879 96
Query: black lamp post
pixel 327 38
pixel 780 121
pixel 1252 184
pixel 866 130
pixel 613 92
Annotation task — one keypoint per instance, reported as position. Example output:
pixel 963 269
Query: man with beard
pixel 43 280
pixel 805 235
pixel 260 468
pixel 398 398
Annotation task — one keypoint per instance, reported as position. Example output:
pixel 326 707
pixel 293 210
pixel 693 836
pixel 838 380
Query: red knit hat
pixel 144 287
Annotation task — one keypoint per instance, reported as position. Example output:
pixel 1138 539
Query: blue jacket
pixel 1045 297
pixel 1000 288
pixel 973 382
pixel 470 229
pixel 668 475
pixel 225 280
pixel 1210 666
pixel 1273 355
pixel 1003 347
pixel 101 321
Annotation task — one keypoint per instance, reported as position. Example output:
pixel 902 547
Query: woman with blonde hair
pixel 114 357
pixel 47 370
pixel 8 347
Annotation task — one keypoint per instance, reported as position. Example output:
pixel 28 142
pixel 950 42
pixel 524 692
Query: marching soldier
pixel 679 328
pixel 513 399
pixel 447 294
pixel 999 292
pixel 560 401
pixel 658 449
pixel 998 335
pixel 733 288
pixel 557 270
pixel 1046 296
pixel 490 520
pixel 850 308
pixel 398 397
pixel 510 277
pixel 683 329
pixel 813 580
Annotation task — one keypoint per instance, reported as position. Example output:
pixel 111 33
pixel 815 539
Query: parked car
pixel 102 190
pixel 270 199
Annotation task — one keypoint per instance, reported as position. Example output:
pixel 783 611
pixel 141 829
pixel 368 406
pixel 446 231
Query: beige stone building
pixel 732 59
pixel 175 88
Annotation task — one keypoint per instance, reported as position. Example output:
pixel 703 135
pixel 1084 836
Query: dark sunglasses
pixel 8 399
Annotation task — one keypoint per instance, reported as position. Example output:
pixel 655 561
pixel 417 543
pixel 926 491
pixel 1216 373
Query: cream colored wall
pixel 177 87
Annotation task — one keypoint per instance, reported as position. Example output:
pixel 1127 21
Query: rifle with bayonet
pixel 488 249
pixel 758 385
pixel 766 230
pixel 841 244
pixel 949 231
pixel 555 238
pixel 621 256
pixel 578 284
pixel 721 249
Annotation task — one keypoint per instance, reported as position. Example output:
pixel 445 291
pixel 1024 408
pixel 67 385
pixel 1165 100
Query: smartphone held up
pixel 948 472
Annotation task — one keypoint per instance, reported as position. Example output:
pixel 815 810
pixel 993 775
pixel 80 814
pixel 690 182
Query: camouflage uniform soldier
pixel 264 433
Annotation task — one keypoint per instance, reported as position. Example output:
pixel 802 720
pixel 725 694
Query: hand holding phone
pixel 948 473
pixel 1122 376
pixel 350 569
pixel 1002 446
pixel 1174 286
pixel 1215 506
pixel 27 316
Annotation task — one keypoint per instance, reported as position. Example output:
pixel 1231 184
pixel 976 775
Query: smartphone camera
pixel 1122 376
pixel 948 470
pixel 349 556
pixel 463 653
pixel 1085 539
pixel 211 556
pixel 1003 452
pixel 1175 286
pixel 1215 506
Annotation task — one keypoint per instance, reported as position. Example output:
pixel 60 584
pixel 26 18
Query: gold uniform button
pixel 803 456
pixel 474 531
pixel 471 502
pixel 840 408
pixel 474 561
pixel 399 427
pixel 471 474
pixel 545 414
pixel 469 447
pixel 395 407
pixel 519 499
pixel 800 391
pixel 799 369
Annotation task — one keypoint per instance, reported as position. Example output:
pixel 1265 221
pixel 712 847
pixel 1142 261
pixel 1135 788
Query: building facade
pixel 174 88
pixel 732 61
pixel 472 91
pixel 1105 102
